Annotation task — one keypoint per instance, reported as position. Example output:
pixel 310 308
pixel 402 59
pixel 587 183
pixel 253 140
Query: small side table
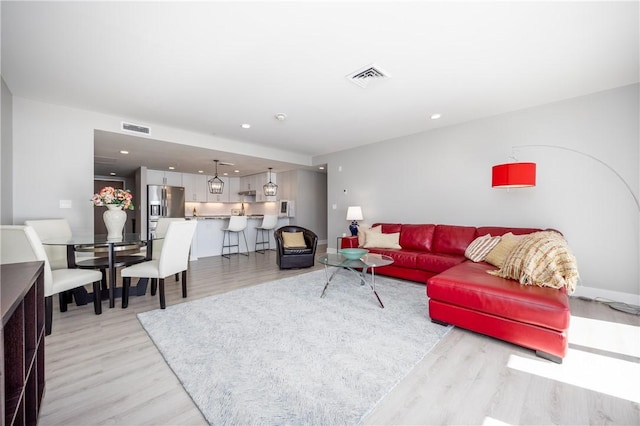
pixel 347 242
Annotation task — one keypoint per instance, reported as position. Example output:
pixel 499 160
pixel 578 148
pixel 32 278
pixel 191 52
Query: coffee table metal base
pixel 361 274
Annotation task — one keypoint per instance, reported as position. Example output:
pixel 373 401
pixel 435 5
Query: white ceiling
pixel 208 67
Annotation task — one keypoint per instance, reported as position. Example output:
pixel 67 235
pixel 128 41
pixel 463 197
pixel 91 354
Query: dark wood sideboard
pixel 21 342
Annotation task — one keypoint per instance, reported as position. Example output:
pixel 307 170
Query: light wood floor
pixel 105 370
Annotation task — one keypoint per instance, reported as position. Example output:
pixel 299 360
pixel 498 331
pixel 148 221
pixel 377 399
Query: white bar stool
pixel 269 222
pixel 236 224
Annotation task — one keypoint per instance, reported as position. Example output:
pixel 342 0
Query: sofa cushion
pixel 417 237
pixel 379 240
pixel 401 258
pixel 437 262
pixel 389 228
pixel 452 239
pixel 469 285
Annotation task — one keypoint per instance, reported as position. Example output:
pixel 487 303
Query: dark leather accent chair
pixel 296 257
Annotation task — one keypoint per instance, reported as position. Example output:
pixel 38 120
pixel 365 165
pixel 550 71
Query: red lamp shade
pixel 513 175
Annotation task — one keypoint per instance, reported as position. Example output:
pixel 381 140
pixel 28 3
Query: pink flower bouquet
pixel 110 195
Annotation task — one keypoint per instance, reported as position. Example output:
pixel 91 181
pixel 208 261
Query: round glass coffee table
pixel 357 266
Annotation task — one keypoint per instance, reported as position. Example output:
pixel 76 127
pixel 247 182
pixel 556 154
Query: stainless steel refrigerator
pixel 163 201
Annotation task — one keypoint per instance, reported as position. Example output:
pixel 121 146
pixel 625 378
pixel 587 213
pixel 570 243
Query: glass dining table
pixel 109 254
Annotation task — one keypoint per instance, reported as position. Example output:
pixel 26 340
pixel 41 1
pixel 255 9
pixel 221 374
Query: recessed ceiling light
pixel 225 174
pixel 246 126
pixel 281 116
pixel 112 173
pixel 236 171
pixel 124 152
pixel 200 171
pixel 435 116
pixel 171 168
pixel 321 167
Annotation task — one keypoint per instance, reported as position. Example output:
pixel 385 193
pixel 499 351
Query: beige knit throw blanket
pixel 543 259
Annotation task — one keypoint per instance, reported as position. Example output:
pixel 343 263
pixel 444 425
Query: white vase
pixel 114 219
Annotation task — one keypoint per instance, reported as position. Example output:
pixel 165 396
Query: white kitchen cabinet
pixel 173 178
pixel 161 177
pixel 256 183
pixel 234 188
pixel 155 177
pixel 195 187
pixel 248 183
pixel 189 183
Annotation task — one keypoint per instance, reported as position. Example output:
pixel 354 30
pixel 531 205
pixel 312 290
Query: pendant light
pixel 216 185
pixel 270 189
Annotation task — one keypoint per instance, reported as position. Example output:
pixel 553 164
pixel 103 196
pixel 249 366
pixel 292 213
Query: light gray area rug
pixel 278 354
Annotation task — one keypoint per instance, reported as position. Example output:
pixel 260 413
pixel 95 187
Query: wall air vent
pixel 368 74
pixel 136 128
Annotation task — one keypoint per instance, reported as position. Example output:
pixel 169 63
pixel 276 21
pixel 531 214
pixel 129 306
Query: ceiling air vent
pixel 136 128
pixel 368 74
pixel 104 160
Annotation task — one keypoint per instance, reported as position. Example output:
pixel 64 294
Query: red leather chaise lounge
pixel 463 294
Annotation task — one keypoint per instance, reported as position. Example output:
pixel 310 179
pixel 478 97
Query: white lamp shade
pixel 354 213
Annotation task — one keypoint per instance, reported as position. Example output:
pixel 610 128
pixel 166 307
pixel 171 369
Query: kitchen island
pixel 208 238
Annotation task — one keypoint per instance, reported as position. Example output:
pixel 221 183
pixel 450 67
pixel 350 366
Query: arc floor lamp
pixel 520 175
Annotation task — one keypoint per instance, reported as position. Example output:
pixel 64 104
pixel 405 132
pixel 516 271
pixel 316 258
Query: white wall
pixel 6 157
pixel 53 158
pixel 444 176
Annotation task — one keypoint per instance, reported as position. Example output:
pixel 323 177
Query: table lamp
pixel 354 213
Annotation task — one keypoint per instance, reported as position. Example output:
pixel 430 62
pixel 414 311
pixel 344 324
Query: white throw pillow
pixel 380 240
pixel 362 233
pixel 479 248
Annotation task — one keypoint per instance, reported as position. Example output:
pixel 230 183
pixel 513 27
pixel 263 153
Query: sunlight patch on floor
pixel 608 336
pixel 595 372
pixel 490 421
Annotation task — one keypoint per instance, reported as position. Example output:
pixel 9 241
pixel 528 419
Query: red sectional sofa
pixel 462 293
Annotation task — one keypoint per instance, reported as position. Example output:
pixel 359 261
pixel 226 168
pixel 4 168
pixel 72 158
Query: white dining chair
pixel 22 244
pixel 158 240
pixel 269 223
pixel 58 229
pixel 58 254
pixel 174 258
pixel 161 231
pixel 237 225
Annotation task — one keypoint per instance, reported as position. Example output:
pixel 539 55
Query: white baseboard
pixel 607 295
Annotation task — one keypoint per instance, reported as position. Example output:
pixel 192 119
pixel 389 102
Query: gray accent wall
pixel 308 189
pixel 444 176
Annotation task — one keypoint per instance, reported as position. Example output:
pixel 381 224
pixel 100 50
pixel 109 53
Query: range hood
pixel 250 192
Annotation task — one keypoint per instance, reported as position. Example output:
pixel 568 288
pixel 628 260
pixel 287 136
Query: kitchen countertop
pixel 221 216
